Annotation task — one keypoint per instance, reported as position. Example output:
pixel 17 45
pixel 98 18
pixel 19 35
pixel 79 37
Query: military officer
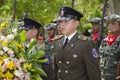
pixel 32 32
pixel 75 57
pixel 110 49
pixel 32 29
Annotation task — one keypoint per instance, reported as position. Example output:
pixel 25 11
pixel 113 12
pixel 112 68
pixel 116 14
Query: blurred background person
pixel 48 67
pixel 95 28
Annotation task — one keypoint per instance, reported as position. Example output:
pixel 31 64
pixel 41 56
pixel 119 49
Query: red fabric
pixel 95 36
pixel 51 39
pixel 40 38
pixel 111 39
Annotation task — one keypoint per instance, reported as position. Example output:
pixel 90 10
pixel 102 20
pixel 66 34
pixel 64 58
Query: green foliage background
pixel 45 11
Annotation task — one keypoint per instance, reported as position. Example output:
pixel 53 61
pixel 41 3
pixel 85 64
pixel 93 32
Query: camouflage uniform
pixel 109 59
pixel 48 44
pixel 109 56
pixel 94 35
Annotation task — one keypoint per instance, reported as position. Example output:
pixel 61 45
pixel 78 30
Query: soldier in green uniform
pixel 95 27
pixel 51 29
pixel 95 30
pixel 110 49
pixel 48 67
pixel 75 57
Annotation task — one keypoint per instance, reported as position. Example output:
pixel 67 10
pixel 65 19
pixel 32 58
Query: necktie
pixel 66 41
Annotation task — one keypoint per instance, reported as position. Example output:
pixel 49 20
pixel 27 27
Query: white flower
pixel 6 60
pixel 22 60
pixel 17 63
pixel 4 67
pixel 11 53
pixel 19 73
pixel 14 31
pixel 27 76
pixel 2 37
pixel 10 36
pixel 1 53
pixel 5 49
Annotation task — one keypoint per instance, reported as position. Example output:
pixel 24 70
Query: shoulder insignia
pixel 84 38
pixel 58 37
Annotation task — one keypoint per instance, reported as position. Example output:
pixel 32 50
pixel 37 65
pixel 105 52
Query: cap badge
pixel 62 12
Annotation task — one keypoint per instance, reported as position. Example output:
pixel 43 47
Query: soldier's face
pixel 51 33
pixel 114 27
pixel 68 27
pixel 32 33
pixel 59 30
pixel 95 27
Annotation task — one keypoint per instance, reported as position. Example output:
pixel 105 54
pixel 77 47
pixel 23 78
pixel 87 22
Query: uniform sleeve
pixel 91 60
pixel 55 68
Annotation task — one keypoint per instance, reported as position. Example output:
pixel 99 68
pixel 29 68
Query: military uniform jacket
pixel 75 61
pixel 109 58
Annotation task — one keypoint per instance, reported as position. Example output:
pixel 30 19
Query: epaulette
pixel 57 37
pixel 82 37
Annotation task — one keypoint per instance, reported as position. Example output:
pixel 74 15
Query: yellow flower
pixel 3 25
pixel 3 43
pixel 1 62
pixel 2 57
pixel 9 76
pixel 11 65
pixel 27 66
pixel 1 73
pixel 1 28
pixel 20 46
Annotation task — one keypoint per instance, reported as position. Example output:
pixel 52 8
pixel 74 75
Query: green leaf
pixel 40 61
pixel 39 71
pixel 38 55
pixel 23 36
pixel 31 45
pixel 35 77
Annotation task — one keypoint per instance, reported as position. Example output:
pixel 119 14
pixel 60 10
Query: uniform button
pixel 59 71
pixel 72 45
pixel 75 55
pixel 67 62
pixel 66 71
pixel 60 62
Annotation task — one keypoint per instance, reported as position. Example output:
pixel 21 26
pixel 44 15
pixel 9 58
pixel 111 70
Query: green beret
pixel 50 26
pixel 95 20
pixel 113 17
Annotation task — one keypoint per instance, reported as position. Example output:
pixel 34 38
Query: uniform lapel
pixel 70 45
pixel 60 47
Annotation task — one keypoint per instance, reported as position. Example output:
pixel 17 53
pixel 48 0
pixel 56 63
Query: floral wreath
pixel 15 62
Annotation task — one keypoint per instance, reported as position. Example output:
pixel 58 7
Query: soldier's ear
pixel 77 23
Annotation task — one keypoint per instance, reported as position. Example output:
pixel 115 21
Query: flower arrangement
pixel 15 62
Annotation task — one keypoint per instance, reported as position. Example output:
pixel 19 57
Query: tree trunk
pixel 113 7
